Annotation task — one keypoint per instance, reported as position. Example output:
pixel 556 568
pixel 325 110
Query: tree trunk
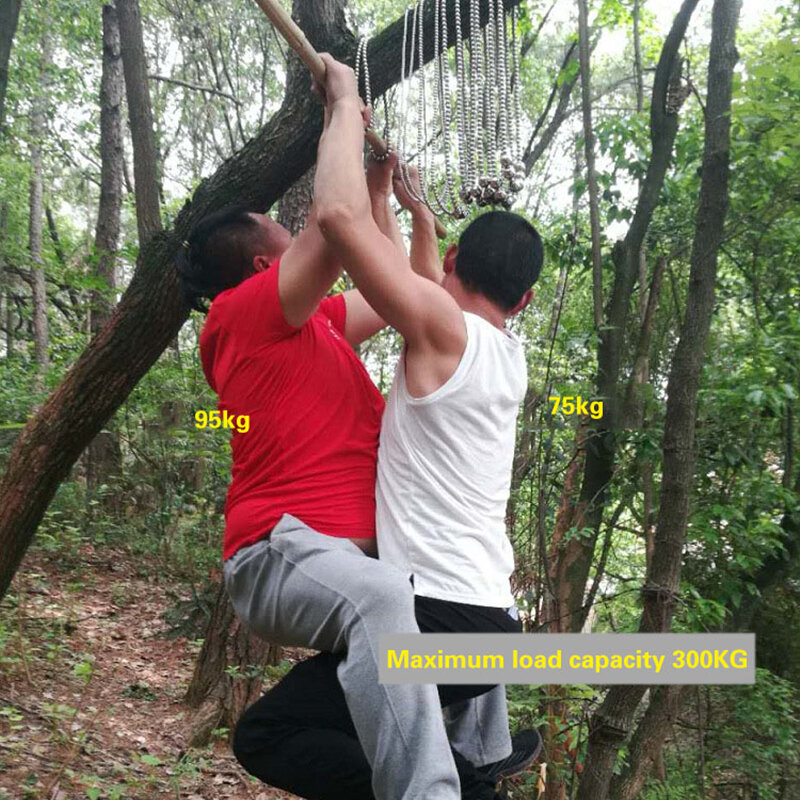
pixel 637 56
pixel 151 311
pixel 36 215
pixel 108 211
pixel 5 280
pixel 217 693
pixel 9 18
pixel 104 457
pixel 140 114
pixel 601 444
pixel 591 173
pixel 610 725
pixel 295 204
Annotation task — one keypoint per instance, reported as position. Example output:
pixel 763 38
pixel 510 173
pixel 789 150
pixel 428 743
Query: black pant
pixel 299 736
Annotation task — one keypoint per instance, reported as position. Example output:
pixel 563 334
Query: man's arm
pixel 424 313
pixel 362 321
pixel 382 179
pixel 310 267
pixel 425 260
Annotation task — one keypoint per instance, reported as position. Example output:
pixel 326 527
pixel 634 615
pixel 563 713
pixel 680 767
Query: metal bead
pixel 494 183
pixel 500 196
pixel 505 161
pixel 483 181
pixel 508 202
pixel 517 185
pixel 488 195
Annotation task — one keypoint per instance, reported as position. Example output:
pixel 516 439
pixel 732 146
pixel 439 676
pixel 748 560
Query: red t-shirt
pixel 315 414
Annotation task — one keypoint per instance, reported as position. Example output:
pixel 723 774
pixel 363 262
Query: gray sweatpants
pixel 305 589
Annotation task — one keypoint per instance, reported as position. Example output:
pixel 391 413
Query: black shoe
pixel 525 749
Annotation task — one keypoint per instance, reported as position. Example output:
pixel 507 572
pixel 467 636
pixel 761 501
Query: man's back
pixel 444 472
pixel 314 414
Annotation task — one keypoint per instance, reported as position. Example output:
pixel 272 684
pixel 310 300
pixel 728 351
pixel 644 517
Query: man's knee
pixel 386 592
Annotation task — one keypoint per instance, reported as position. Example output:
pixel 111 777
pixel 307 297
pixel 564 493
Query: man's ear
pixel 526 298
pixel 450 259
pixel 260 263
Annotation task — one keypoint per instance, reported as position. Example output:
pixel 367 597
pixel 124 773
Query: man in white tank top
pixel 448 433
pixel 449 428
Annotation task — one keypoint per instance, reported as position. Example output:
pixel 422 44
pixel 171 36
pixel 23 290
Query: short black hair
pixel 500 256
pixel 218 255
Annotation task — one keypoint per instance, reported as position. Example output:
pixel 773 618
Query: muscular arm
pixel 362 321
pixel 308 270
pixel 425 259
pixel 424 313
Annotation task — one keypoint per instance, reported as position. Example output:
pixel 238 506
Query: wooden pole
pixel 296 39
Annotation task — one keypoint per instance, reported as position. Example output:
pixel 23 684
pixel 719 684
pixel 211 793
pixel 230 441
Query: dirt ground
pixel 91 689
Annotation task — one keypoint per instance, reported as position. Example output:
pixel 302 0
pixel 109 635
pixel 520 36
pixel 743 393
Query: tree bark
pixel 151 311
pixel 591 172
pixel 9 18
pixel 295 204
pixel 108 211
pixel 610 725
pixel 104 457
pixel 637 56
pixel 36 215
pixel 601 444
pixel 218 694
pixel 140 114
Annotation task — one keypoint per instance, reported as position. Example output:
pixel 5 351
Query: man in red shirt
pixel 300 512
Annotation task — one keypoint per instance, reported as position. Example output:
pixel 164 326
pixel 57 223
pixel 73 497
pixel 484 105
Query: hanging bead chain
pixel 404 173
pixel 439 107
pixel 519 165
pixel 503 193
pixel 486 114
pixel 476 89
pixel 457 210
pixel 461 113
pixel 422 130
pixel 362 61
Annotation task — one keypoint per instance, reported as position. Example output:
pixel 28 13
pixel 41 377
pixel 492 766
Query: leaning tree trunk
pixel 9 17
pixel 218 694
pixel 601 444
pixel 609 727
pixel 104 456
pixel 151 311
pixel 36 216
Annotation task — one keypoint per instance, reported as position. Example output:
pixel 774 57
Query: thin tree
pixel 598 467
pixel 9 18
pixel 36 213
pixel 140 113
pixel 612 722
pixel 591 171
pixel 103 455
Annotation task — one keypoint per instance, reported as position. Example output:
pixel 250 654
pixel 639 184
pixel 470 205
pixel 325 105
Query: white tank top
pixel 444 473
